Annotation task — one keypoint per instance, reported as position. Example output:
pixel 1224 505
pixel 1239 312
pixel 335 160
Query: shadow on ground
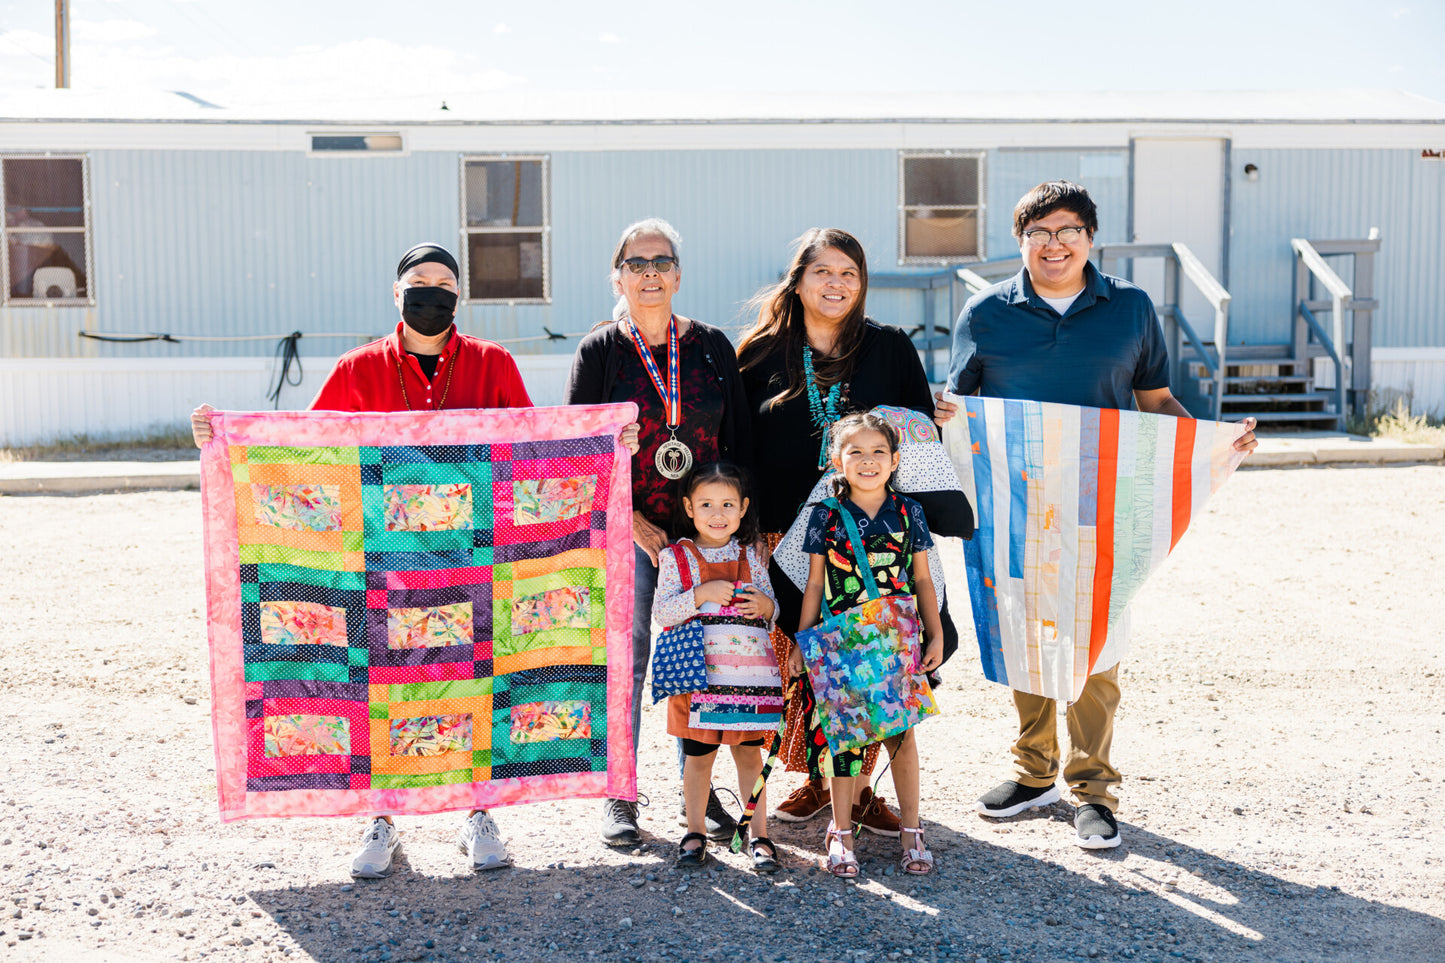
pixel 1155 899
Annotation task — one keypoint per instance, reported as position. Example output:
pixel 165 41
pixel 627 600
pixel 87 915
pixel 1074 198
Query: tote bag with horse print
pixel 863 662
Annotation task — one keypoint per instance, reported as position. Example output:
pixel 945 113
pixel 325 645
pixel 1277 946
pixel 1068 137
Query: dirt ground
pixel 1280 736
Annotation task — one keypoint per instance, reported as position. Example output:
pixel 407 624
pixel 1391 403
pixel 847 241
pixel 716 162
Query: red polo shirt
pixel 482 374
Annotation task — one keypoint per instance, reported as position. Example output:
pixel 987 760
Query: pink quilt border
pixel 341 429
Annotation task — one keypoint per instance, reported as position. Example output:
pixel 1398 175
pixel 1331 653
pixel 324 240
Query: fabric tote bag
pixel 863 663
pixel 678 665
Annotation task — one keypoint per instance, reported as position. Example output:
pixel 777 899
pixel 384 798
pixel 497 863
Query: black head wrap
pixel 423 253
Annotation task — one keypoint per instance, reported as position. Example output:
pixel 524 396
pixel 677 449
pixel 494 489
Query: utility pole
pixel 62 43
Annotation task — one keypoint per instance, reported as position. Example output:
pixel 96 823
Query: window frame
pixel 85 229
pixel 980 209
pixel 467 230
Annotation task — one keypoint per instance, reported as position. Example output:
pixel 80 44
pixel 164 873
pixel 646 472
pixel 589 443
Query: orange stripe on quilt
pixel 1104 531
pixel 1183 474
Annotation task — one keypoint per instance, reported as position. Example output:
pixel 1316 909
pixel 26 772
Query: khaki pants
pixel 1091 732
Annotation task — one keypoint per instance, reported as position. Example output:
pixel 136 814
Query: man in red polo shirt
pixel 424 364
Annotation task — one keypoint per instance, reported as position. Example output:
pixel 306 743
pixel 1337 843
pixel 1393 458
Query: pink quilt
pixel 419 611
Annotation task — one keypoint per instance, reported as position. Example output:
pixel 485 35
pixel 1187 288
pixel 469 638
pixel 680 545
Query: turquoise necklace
pixel 824 412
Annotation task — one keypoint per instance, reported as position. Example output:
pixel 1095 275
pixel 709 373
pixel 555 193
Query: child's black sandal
pixel 765 855
pixel 692 858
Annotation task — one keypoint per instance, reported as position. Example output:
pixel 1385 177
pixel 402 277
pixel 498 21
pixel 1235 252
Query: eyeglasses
pixel 1065 235
pixel 661 265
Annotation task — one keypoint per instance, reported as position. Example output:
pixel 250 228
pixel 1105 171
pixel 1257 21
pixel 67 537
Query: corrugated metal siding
pixel 1416 375
pixel 49 399
pixel 1339 194
pixel 255 242
pixel 1012 173
pixel 737 211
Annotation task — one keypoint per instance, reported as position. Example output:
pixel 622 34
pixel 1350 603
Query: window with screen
pixel 504 211
pixel 47 250
pixel 940 210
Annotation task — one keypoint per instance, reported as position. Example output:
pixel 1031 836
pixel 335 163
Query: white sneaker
pixel 373 861
pixel 482 843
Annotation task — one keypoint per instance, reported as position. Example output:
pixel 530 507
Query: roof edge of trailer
pixel 619 108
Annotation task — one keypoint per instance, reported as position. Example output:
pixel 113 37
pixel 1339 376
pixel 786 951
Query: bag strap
pixel 902 510
pixel 684 571
pixel 860 555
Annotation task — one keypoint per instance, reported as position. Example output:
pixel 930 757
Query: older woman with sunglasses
pixel 683 376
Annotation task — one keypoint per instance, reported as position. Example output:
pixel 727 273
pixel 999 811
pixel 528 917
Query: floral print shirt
pixel 673 605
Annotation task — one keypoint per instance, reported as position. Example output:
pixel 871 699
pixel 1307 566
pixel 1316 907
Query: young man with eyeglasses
pixel 1061 331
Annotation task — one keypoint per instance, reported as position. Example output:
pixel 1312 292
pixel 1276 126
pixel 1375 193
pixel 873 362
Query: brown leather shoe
pixel 807 801
pixel 872 813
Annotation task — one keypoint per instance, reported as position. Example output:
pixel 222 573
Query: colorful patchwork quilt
pixel 1076 508
pixel 419 611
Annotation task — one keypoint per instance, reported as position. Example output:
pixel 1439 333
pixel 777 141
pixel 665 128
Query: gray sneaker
pixel 373 860
pixel 619 823
pixel 482 842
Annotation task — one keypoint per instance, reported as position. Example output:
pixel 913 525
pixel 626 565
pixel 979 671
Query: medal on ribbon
pixel 673 459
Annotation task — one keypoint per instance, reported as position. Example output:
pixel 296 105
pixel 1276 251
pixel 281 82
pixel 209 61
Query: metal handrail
pixel 982 274
pixel 1178 258
pixel 1340 293
pixel 926 282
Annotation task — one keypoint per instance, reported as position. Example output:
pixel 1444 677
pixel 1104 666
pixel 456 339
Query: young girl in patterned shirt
pixel 864 452
pixel 717 577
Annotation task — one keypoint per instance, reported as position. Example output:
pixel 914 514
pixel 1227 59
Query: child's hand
pixel 718 590
pixel 795 661
pixel 753 603
pixel 932 654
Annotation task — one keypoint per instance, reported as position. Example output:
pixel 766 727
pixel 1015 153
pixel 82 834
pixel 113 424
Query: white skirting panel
pixel 48 399
pixel 1415 374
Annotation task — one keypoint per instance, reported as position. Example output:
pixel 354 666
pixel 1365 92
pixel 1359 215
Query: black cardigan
pixel 888 373
pixel 598 362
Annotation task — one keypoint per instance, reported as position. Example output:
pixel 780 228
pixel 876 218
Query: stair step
pixel 1280 379
pixel 1289 415
pixel 1233 398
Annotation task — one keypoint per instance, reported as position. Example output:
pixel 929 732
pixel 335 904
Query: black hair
pixel 729 474
pixel 780 318
pixel 1052 196
pixel 849 425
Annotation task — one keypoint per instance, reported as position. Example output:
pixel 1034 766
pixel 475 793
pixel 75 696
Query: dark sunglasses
pixel 659 264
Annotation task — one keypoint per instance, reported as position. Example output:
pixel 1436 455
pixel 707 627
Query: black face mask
pixel 428 310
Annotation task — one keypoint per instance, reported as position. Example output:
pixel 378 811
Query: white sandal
pixel 917 861
pixel 841 861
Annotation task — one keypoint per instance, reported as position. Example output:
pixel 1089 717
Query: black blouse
pixel 607 368
pixel 785 440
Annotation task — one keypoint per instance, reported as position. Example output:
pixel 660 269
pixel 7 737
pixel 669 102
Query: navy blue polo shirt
pixel 1009 343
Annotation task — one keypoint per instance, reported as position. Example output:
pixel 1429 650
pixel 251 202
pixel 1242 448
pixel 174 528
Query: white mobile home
pixel 221 231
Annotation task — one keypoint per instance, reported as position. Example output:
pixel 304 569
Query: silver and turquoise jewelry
pixel 824 412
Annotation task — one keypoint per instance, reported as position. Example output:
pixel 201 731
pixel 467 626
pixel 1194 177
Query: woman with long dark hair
pixel 812 356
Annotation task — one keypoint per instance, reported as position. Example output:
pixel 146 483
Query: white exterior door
pixel 1179 196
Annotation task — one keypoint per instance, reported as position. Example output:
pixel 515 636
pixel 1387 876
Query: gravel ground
pixel 1281 711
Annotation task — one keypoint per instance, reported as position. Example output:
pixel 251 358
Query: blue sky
pixel 265 51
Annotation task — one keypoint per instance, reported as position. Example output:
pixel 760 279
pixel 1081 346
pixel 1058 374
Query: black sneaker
pixel 1011 798
pixel 720 824
pixel 1096 827
pixel 619 823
